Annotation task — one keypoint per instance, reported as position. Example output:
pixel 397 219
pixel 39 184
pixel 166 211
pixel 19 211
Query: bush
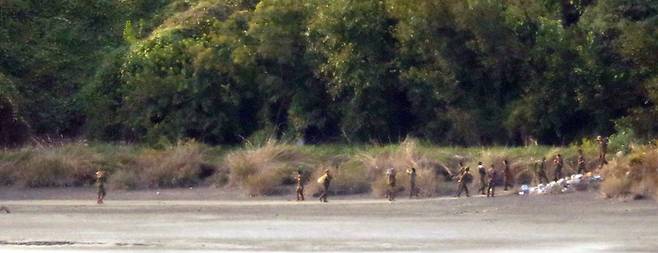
pixel 633 175
pixel 71 164
pixel 263 169
pixel 403 157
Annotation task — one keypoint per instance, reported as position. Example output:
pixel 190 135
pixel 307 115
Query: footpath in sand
pixel 577 222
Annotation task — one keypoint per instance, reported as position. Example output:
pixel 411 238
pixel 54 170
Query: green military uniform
pixel 390 181
pixel 325 180
pixel 483 178
pixel 509 178
pixel 541 172
pixel 492 182
pixel 464 179
pixel 581 163
pixel 558 167
pixel 100 184
pixel 413 191
pixel 300 187
pixel 603 150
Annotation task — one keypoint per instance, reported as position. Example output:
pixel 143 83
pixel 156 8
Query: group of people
pixel 488 177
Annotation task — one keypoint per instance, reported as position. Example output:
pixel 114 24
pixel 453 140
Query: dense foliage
pixel 221 71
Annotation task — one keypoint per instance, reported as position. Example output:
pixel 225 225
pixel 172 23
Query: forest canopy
pixel 452 72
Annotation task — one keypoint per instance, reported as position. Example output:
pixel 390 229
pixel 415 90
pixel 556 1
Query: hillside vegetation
pixel 453 72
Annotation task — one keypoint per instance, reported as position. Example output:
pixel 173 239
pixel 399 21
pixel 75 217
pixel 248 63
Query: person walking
pixel 541 171
pixel 603 150
pixel 299 189
pixel 464 179
pixel 101 178
pixel 581 162
pixel 390 181
pixel 492 182
pixel 325 180
pixel 509 178
pixel 558 162
pixel 482 171
pixel 413 190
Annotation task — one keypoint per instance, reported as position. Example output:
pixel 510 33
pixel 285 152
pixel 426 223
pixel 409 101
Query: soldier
pixel 509 178
pixel 5 209
pixel 299 179
pixel 100 183
pixel 581 162
pixel 464 179
pixel 483 178
pixel 413 191
pixel 461 170
pixel 603 149
pixel 558 162
pixel 390 181
pixel 492 182
pixel 325 180
pixel 541 171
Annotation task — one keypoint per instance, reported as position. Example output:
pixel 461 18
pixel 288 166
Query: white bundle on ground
pixel 577 182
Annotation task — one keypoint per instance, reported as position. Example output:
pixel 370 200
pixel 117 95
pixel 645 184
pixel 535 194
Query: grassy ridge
pixel 267 168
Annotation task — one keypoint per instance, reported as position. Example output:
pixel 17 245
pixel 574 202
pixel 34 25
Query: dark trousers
pixel 325 191
pixel 508 183
pixel 300 193
pixel 462 188
pixel 390 192
pixel 483 184
pixel 491 189
pixel 558 173
pixel 413 191
pixel 543 179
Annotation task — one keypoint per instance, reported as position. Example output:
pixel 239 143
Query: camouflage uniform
pixel 300 187
pixel 492 182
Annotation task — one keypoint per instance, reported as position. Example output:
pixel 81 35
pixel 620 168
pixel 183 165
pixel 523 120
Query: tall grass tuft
pixel 71 164
pixel 635 175
pixel 176 166
pixel 264 169
pixel 402 157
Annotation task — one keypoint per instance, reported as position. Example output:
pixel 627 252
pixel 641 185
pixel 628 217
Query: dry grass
pixel 67 165
pixel 634 175
pixel 404 157
pixel 268 169
pixel 265 169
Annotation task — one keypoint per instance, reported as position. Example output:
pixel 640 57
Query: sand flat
pixel 576 222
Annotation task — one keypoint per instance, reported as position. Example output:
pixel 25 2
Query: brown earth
pixel 210 220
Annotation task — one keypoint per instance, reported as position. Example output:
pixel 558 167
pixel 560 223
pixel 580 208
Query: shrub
pixel 263 169
pixel 70 164
pixel 402 158
pixel 176 166
pixel 635 175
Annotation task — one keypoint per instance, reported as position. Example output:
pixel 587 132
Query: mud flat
pixel 577 222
